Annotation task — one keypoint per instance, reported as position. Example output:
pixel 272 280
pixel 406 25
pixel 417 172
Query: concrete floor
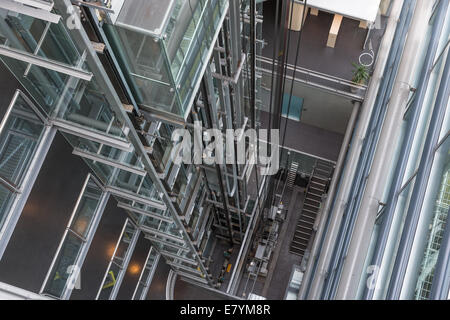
pixel 313 53
pixel 188 291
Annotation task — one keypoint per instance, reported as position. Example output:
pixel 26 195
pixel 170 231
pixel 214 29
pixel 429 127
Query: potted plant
pixel 360 76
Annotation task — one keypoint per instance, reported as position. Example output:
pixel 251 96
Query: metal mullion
pixel 136 198
pixel 45 63
pixel 38 47
pixel 161 234
pixel 76 235
pixel 144 283
pixel 109 162
pixel 95 219
pixel 9 185
pixel 89 134
pixel 112 258
pixel 175 257
pixel 143 212
pixel 126 260
pixel 440 143
pixel 161 241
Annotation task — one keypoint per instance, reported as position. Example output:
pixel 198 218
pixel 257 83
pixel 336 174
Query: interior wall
pixel 321 109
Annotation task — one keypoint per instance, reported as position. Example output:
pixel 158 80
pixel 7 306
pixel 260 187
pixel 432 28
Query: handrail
pixel 322 75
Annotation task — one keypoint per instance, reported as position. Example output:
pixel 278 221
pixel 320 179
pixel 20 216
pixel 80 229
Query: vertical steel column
pixel 126 261
pixel 27 185
pixel 383 158
pixel 415 206
pixel 236 51
pixel 378 84
pixel 253 62
pixel 209 103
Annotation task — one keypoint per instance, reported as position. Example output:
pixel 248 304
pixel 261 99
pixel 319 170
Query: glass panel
pixel 58 45
pixel 19 138
pixel 86 209
pixel 61 270
pixel 74 240
pixel 25 32
pixel 145 63
pixel 393 241
pixel 437 201
pixel 109 282
pixel 116 265
pixel 6 199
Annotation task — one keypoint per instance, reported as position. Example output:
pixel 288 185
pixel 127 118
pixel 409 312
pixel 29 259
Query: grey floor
pixel 188 291
pixel 313 53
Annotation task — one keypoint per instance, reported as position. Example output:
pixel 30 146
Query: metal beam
pixel 45 63
pixel 40 11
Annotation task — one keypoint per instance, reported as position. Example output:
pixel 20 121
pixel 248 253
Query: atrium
pixel 224 150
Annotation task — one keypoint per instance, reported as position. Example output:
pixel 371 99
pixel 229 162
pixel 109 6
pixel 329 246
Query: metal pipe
pixel 384 59
pixel 368 151
pixel 383 159
pixel 413 214
pixel 208 97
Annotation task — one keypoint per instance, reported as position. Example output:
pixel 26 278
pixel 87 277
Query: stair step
pixel 311 207
pixel 302 232
pixel 309 211
pixel 308 219
pixel 318 186
pixel 324 171
pixel 300 241
pixel 322 180
pixel 312 200
pixel 314 197
pixel 303 228
pixel 308 216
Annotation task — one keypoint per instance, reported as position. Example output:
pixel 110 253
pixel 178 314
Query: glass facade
pixel 433 215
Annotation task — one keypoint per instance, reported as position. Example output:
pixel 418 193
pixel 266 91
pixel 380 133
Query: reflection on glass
pixel 62 269
pixel 439 204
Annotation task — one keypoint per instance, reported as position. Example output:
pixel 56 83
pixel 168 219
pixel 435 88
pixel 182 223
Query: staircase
pixel 316 189
pixel 292 174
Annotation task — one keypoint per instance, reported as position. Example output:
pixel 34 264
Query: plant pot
pixel 356 90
